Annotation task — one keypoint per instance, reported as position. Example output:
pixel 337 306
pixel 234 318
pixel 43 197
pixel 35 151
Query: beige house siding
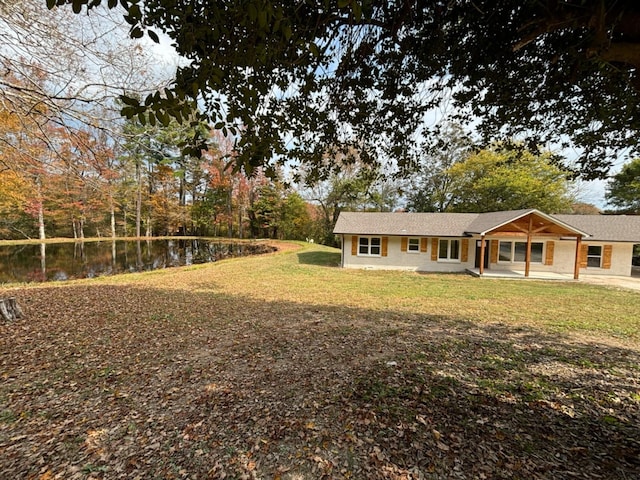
pixel 563 256
pixel 621 254
pixel 397 259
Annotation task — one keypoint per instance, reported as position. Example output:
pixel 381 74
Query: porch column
pixel 576 269
pixel 527 257
pixel 481 254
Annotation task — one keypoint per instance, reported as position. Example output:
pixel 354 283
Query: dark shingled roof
pixel 490 220
pixel 619 228
pixel 419 224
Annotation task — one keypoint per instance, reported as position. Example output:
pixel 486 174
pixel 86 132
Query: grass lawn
pixel 285 366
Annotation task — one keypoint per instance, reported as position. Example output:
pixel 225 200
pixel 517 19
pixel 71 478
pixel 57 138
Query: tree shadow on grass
pixel 159 383
pixel 320 258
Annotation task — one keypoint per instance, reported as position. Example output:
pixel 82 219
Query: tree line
pixel 71 166
pixel 141 183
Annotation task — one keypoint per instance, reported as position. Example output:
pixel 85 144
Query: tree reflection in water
pixel 64 261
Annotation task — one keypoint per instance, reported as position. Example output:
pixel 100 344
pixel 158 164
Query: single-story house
pixel 525 240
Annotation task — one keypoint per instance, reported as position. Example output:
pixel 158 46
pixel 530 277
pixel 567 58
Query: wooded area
pixel 72 166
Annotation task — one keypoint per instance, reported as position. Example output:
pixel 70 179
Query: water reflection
pixel 63 261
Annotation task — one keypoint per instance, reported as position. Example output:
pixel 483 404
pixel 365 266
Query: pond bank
pixel 57 261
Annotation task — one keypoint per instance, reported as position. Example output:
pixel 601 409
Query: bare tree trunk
pixel 138 200
pixel 113 217
pixel 230 213
pixel 41 232
pixel 9 309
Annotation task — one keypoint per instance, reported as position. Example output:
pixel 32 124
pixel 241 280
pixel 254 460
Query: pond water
pixel 63 261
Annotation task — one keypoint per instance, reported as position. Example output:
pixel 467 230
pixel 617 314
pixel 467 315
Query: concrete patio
pixel 519 274
pixel 632 282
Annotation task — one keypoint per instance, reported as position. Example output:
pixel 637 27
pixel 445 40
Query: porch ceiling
pixel 534 224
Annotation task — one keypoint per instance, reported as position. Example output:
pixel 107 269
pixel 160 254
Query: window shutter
pixel 494 251
pixel 403 244
pixel 385 244
pixel 354 245
pixel 423 245
pixel 606 256
pixel 434 249
pixel 548 257
pixel 584 250
pixel 465 250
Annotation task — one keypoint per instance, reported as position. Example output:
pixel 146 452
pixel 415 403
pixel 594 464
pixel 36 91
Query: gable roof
pixel 493 221
pixel 618 228
pixel 611 228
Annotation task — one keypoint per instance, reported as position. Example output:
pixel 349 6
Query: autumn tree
pixel 623 190
pixel 497 178
pixel 212 208
pixel 302 78
pixel 27 162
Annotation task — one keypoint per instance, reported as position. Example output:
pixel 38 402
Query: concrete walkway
pixel 632 282
pixel 517 274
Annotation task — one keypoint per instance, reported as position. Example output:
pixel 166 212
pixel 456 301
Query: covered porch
pixel 522 227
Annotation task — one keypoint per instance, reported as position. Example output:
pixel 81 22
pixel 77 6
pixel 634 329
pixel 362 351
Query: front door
pixel 486 253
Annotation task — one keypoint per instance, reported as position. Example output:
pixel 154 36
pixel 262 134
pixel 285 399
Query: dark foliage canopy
pixel 305 80
pixel 623 191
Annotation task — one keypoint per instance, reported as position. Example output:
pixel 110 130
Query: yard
pixel 284 366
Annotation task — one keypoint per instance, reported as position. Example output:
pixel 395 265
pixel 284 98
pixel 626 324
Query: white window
pixel 448 250
pixel 413 245
pixel 594 256
pixel 512 252
pixel 369 246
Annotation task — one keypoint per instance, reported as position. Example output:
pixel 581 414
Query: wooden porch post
pixel 481 254
pixel 527 257
pixel 576 269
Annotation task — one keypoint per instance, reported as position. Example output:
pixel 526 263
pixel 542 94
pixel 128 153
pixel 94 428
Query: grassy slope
pixel 284 366
pixel 309 277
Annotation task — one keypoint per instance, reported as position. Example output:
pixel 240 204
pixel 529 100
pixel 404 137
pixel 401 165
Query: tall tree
pixel 303 78
pixel 496 179
pixel 623 190
pixel 74 67
pixel 431 188
pixel 345 190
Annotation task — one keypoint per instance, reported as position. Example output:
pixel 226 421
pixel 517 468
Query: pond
pixel 64 261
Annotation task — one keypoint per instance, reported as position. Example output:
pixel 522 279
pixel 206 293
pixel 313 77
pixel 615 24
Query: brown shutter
pixel 434 249
pixel 584 250
pixel 385 244
pixel 403 244
pixel 423 245
pixel 465 250
pixel 494 251
pixel 354 245
pixel 548 257
pixel 606 256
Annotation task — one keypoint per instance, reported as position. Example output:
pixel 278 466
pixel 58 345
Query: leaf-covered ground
pixel 168 375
